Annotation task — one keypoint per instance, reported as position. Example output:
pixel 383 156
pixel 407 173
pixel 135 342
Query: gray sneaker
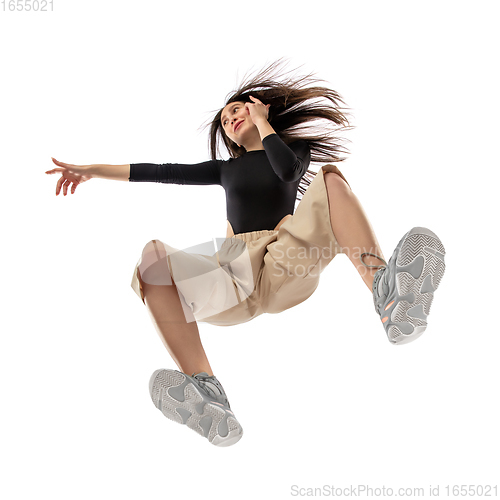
pixel 403 289
pixel 199 401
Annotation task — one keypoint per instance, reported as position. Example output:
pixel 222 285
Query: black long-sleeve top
pixel 261 186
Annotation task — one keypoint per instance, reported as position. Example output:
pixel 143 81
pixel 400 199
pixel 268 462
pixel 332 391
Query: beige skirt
pixel 229 281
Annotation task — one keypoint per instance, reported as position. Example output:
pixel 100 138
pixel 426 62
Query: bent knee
pixel 336 184
pixel 154 268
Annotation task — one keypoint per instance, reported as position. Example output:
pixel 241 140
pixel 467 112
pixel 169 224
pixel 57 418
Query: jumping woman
pixel 272 255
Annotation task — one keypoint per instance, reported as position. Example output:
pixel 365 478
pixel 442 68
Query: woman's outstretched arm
pixel 74 175
pixel 175 173
pixel 112 172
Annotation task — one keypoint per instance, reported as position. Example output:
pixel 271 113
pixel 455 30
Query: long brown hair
pixel 295 103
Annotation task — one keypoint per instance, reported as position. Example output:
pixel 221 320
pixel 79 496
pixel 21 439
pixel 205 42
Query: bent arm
pixel 289 162
pixel 112 172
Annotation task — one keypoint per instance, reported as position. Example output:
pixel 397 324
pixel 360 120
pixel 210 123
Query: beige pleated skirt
pixel 229 281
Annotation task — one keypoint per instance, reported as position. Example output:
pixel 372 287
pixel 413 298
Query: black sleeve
pixel 204 173
pixel 289 162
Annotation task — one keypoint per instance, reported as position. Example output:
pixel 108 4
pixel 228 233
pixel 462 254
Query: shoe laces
pixel 207 382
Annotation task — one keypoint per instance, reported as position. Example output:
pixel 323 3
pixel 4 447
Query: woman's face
pixel 237 124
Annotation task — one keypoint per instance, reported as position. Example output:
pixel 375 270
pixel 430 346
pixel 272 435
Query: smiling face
pixel 237 124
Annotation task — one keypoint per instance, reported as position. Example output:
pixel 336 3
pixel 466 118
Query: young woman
pixel 272 255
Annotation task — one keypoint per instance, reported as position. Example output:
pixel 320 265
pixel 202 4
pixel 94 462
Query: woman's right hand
pixel 70 174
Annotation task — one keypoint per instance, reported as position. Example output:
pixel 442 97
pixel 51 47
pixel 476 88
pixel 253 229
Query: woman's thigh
pixel 304 246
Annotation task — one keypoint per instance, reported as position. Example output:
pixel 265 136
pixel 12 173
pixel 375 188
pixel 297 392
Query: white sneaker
pixel 199 401
pixel 403 290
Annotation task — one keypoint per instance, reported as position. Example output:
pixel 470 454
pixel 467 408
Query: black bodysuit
pixel 261 186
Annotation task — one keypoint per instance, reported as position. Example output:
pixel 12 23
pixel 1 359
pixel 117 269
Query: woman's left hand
pixel 257 110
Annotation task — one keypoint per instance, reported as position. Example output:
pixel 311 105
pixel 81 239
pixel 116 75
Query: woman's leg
pixel 351 227
pixel 182 339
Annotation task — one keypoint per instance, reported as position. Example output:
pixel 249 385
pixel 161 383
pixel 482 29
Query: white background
pixel 323 398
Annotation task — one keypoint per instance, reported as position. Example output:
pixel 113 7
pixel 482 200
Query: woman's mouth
pixel 237 126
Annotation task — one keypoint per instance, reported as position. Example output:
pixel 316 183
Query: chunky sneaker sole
pixel 408 284
pixel 177 396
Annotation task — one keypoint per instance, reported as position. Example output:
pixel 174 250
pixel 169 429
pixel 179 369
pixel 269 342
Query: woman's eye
pixel 234 111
